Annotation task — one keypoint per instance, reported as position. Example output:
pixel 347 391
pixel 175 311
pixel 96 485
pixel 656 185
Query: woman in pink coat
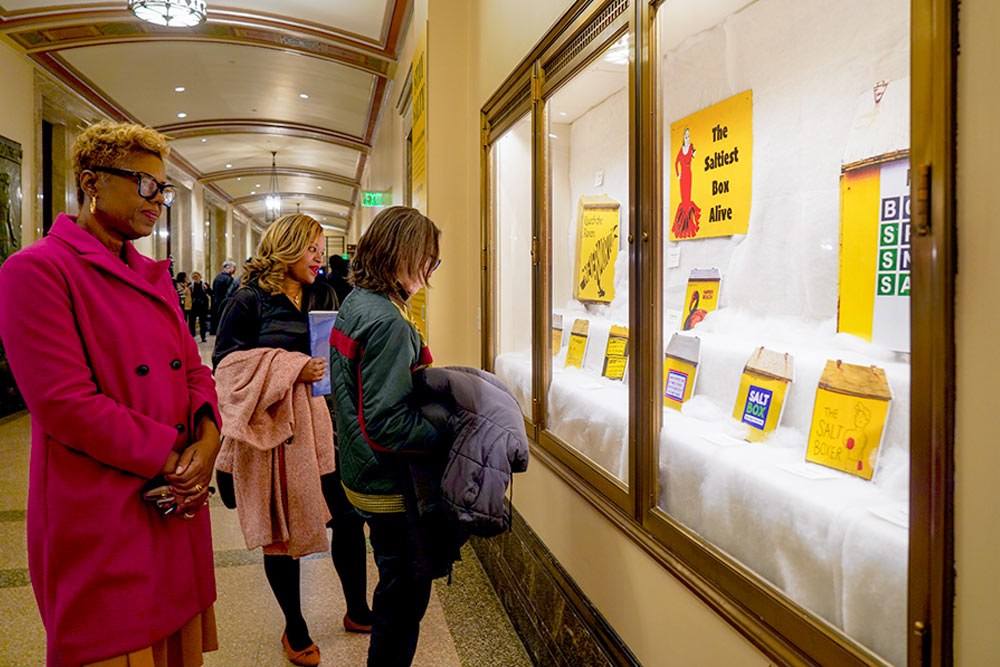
pixel 119 403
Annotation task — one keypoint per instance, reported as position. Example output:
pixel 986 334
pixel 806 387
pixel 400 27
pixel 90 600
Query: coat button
pixel 176 364
pixel 180 428
pixel 142 370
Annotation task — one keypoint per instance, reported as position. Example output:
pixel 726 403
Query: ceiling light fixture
pixel 272 202
pixel 182 115
pixel 179 89
pixel 304 96
pixel 170 13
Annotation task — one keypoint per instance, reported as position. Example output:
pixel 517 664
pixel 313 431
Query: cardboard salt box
pixel 848 422
pixel 680 369
pixel 760 400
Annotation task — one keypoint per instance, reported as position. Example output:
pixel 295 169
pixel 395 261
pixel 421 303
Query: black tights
pixel 349 558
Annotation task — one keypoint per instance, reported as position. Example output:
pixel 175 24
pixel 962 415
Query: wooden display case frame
pixel 782 630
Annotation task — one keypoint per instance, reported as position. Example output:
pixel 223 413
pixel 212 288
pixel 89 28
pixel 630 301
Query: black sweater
pixel 252 318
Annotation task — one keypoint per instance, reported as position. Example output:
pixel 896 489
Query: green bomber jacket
pixel 374 351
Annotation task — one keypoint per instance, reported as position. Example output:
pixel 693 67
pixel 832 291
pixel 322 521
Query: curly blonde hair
pixel 284 242
pixel 109 143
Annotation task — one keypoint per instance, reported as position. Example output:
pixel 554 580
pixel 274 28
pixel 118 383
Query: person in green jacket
pixel 376 348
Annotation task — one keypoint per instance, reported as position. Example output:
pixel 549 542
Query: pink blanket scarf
pixel 278 440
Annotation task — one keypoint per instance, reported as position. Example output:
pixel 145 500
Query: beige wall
pixel 977 457
pixel 17 122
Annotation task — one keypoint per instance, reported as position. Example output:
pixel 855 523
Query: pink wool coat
pixel 278 440
pixel 112 379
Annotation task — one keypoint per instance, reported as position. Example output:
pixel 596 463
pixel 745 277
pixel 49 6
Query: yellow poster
pixel 702 296
pixel 852 403
pixel 760 400
pixel 418 311
pixel 680 368
pixel 418 112
pixel 578 336
pixel 875 253
pixel 711 170
pixel 616 353
pixel 596 249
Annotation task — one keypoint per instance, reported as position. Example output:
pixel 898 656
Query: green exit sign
pixel 376 198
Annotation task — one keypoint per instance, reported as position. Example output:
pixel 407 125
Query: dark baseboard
pixel 556 622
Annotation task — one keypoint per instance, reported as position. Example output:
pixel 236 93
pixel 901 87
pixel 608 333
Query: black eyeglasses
pixel 146 184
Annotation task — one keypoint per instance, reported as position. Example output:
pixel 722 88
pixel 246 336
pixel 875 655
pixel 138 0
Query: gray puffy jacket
pixel 489 443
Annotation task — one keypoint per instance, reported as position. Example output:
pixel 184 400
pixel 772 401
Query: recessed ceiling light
pixel 204 140
pixel 304 96
pixel 553 136
pixel 257 186
pixel 319 187
pixel 238 178
pixel 179 89
pixel 253 192
pixel 562 113
pixel 229 165
pixel 182 115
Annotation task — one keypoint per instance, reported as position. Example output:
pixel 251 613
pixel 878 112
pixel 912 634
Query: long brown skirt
pixel 184 648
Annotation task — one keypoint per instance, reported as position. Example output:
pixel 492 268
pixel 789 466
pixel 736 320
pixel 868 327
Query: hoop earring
pixel 93 205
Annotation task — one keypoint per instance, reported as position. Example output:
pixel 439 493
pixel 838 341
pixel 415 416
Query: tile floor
pixel 465 625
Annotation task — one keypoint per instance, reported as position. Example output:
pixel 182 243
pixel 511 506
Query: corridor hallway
pixel 465 625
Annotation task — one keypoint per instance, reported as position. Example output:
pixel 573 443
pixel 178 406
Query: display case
pixel 510 188
pixel 589 191
pixel 740 323
pixel 786 243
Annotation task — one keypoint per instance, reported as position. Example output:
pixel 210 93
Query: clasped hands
pixel 188 474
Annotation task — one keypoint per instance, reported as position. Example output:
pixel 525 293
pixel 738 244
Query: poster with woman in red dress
pixel 688 214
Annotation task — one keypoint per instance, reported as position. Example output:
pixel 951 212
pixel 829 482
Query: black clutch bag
pixel 227 492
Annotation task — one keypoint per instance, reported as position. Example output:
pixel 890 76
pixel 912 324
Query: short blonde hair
pixel 401 241
pixel 108 143
pixel 284 242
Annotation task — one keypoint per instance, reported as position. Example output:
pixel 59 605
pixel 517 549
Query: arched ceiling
pixel 305 78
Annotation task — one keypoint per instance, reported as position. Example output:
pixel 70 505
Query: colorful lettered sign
pixel 875 254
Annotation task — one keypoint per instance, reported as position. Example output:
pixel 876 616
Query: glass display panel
pixel 588 136
pixel 786 365
pixel 511 189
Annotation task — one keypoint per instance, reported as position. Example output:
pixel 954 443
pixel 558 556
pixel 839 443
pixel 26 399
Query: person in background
pixel 121 408
pixel 263 340
pixel 337 277
pixel 220 291
pixel 377 348
pixel 200 303
pixel 181 286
